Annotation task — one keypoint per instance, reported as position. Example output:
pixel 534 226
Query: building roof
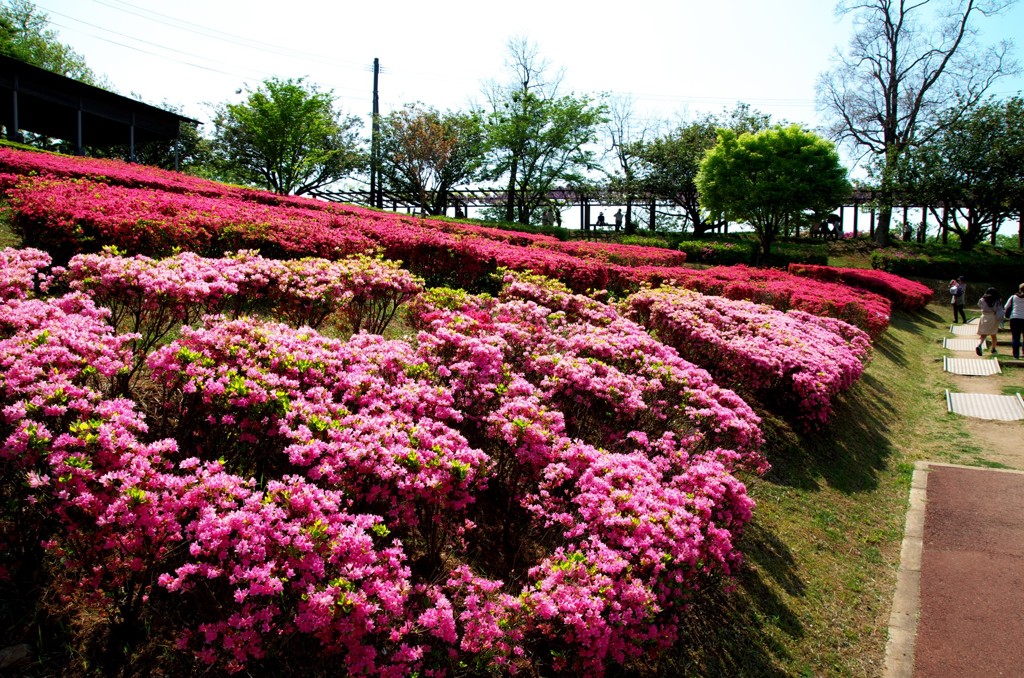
pixel 48 104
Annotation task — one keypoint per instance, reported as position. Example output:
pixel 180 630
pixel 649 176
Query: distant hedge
pixel 942 263
pixel 718 252
pixel 733 252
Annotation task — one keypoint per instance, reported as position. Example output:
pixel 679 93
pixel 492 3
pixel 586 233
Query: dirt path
pixel 1001 442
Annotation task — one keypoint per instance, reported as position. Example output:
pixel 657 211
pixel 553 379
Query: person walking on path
pixel 957 293
pixel 1014 310
pixel 991 316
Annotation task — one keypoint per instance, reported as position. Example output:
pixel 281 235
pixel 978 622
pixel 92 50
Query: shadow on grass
pixel 753 630
pixel 855 446
pixel 737 633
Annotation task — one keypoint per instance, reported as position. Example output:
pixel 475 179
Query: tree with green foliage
pixel 425 154
pixel 772 180
pixel 906 61
pixel 974 167
pixel 536 139
pixel 25 35
pixel 669 164
pixel 625 132
pixel 287 137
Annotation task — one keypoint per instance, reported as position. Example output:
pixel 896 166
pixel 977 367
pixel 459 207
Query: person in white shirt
pixel 958 292
pixel 1015 312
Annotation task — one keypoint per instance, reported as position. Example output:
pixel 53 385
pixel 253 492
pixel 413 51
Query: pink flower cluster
pixel 21 272
pixel 149 298
pixel 905 294
pixel 152 295
pixel 794 361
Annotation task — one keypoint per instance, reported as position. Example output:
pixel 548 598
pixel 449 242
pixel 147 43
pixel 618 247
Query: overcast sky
pixel 676 58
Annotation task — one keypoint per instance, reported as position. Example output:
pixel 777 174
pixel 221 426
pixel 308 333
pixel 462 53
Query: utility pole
pixel 376 190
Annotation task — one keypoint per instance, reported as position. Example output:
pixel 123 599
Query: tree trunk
pixel 510 205
pixel 882 225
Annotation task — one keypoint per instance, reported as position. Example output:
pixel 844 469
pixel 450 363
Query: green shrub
pixel 645 241
pixel 935 261
pixel 786 252
pixel 719 252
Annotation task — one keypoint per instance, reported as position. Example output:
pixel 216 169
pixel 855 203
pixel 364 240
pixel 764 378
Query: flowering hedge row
pixel 781 290
pixel 794 362
pixel 905 294
pixel 66 215
pixel 534 482
pixel 14 163
pixel 82 215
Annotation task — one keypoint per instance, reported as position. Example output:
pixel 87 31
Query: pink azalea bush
pixel 795 361
pixel 356 292
pixel 534 481
pixel 781 290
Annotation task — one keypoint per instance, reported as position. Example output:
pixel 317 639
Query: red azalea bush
pixel 149 180
pixel 71 214
pixel 905 294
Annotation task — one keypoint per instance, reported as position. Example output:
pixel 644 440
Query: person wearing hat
pixel 991 316
pixel 1015 312
pixel 957 294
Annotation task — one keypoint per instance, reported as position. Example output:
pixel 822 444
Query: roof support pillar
pixel 79 146
pixel 14 129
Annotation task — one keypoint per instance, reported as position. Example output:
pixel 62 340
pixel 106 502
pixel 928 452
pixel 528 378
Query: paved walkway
pixel 959 603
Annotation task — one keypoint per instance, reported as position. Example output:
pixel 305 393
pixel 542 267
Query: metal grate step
pixel 971 367
pixel 986 406
pixel 961 344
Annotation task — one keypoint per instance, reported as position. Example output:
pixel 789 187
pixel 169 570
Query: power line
pixel 192 60
pixel 216 66
pixel 138 49
pixel 205 31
